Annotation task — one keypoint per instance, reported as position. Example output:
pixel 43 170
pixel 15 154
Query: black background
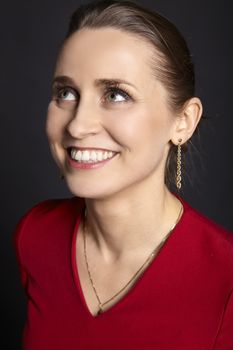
pixel 30 34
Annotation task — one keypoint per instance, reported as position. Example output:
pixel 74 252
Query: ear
pixel 187 120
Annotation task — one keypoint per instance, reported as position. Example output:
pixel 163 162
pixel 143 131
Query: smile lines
pixel 90 156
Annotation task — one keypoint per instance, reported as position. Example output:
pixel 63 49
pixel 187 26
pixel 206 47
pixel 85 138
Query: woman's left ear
pixel 187 120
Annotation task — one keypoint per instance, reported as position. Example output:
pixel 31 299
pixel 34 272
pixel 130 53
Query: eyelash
pixel 58 90
pixel 117 90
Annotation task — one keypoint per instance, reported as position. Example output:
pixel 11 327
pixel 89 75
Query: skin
pixel 129 207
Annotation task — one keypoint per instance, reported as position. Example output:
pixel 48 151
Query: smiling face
pixel 109 112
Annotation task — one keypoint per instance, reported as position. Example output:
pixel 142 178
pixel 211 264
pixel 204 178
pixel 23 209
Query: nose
pixel 85 121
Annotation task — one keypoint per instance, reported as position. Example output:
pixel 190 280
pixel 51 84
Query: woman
pixel 125 263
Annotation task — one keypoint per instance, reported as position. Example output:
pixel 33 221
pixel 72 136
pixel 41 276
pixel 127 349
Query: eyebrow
pixel 63 79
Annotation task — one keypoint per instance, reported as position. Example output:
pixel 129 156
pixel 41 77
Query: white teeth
pixel 77 155
pixel 105 155
pixel 93 156
pixel 99 156
pixel 85 156
pixel 90 156
pixel 73 153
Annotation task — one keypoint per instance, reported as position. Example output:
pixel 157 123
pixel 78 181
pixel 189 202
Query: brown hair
pixel 172 65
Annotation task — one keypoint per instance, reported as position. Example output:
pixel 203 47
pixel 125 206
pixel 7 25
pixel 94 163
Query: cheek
pixel 141 129
pixel 50 126
pixel 55 126
pixel 55 123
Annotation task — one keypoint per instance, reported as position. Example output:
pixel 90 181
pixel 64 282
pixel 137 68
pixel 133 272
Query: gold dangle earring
pixel 178 165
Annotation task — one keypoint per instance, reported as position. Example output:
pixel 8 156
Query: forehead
pixel 106 51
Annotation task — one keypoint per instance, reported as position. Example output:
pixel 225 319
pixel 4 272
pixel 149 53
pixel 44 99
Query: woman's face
pixel 109 112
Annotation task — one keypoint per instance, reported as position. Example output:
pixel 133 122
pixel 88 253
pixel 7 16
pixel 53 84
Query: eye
pixel 116 95
pixel 66 94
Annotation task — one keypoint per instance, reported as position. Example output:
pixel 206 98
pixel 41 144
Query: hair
pixel 171 65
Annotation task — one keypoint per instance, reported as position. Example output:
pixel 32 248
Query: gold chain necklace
pixel 138 271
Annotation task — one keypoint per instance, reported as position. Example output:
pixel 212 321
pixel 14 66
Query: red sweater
pixel 183 300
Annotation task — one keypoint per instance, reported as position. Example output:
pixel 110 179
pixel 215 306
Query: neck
pixel 129 224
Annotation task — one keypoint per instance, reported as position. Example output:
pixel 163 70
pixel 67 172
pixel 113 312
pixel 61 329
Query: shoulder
pixel 50 209
pixel 201 223
pixel 212 241
pixel 44 219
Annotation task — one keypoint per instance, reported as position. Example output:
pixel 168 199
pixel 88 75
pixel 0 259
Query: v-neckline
pixel 140 279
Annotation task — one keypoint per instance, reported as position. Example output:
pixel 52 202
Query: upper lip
pixel 91 149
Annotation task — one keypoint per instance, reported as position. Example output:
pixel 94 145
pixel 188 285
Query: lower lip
pixel 77 165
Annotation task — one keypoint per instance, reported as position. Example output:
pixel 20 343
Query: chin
pixel 89 191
